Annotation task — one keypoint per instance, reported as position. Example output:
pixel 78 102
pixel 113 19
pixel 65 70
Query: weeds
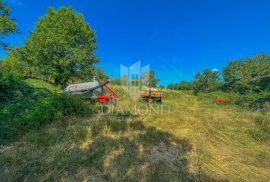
pixel 261 132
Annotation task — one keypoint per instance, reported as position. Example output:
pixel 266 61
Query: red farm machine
pixel 95 89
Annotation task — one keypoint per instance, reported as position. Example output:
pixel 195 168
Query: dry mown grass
pixel 196 141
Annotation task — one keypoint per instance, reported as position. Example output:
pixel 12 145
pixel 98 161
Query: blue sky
pixel 176 37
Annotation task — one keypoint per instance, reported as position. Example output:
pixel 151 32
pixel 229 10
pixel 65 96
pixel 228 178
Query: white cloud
pixel 215 69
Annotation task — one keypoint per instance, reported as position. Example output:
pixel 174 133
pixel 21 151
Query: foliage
pixel 101 74
pixel 208 81
pixel 16 97
pixel 13 89
pixel 61 47
pixel 14 66
pixel 24 108
pixel 248 78
pixel 135 82
pixel 248 75
pixel 7 25
pixel 149 79
pixel 183 85
pixel 161 87
pixel 40 84
pixel 255 101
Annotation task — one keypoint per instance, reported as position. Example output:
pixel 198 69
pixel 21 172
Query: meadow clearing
pixel 193 140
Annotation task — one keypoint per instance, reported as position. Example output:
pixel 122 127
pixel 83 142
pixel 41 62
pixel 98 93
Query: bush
pixel 43 112
pixel 14 89
pixel 255 101
pixel 16 98
pixel 24 108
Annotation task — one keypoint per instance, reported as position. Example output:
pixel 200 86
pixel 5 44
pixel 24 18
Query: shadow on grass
pixel 121 149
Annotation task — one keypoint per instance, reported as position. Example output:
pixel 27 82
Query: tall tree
pixel 208 81
pixel 184 85
pixel 149 79
pixel 171 86
pixel 7 24
pixel 249 74
pixel 61 46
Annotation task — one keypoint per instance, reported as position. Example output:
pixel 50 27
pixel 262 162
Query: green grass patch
pixel 35 83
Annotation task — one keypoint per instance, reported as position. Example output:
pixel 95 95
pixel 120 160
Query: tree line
pixel 241 76
pixel 248 78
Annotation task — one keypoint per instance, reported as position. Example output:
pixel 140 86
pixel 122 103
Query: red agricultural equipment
pixel 221 101
pixel 96 89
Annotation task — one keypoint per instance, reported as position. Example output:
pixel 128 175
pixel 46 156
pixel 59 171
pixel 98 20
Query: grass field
pixel 187 138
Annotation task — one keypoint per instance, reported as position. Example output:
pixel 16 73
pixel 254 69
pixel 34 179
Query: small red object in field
pixel 221 101
pixel 103 98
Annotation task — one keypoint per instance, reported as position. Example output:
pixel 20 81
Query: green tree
pixel 7 24
pixel 102 75
pixel 161 87
pixel 61 47
pixel 208 81
pixel 247 75
pixel 149 79
pixel 12 65
pixel 171 86
pixel 184 85
pixel 135 82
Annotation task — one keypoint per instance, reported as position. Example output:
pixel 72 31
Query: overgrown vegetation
pixel 24 108
pixel 57 51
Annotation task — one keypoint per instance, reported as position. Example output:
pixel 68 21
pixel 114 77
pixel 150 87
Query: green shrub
pixel 24 108
pixel 50 108
pixel 255 101
pixel 16 98
pixel 35 83
pixel 14 89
